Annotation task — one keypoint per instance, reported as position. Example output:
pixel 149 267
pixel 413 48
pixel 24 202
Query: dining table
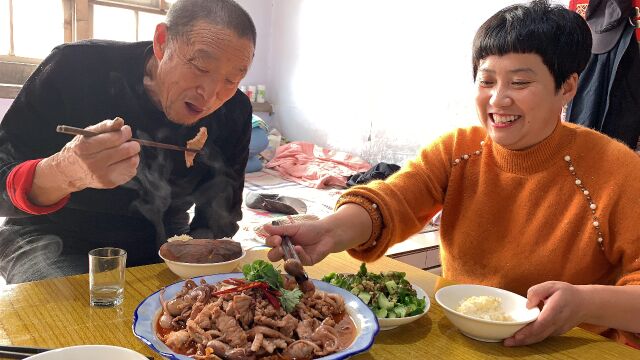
pixel 55 313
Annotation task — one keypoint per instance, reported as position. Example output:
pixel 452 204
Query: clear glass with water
pixel 106 276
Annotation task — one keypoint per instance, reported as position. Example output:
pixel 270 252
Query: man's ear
pixel 569 88
pixel 160 39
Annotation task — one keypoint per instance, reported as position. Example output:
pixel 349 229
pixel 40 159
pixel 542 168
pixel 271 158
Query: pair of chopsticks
pixel 77 131
pixel 19 352
pixel 23 352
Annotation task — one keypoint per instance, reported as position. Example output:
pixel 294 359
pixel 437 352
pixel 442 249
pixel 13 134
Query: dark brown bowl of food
pixel 189 258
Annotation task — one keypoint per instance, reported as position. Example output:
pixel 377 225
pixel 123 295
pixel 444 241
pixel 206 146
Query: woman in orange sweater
pixel 529 203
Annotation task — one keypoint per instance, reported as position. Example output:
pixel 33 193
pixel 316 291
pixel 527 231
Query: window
pixel 20 24
pixel 132 24
pixel 5 28
pixel 138 4
pixel 147 25
pixel 105 25
pixel 148 3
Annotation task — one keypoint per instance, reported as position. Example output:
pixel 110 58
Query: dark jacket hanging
pixel 608 95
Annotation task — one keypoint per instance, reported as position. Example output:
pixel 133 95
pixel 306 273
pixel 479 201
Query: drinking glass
pixel 106 276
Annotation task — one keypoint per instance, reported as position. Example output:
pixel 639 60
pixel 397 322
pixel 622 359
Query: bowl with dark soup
pixel 187 257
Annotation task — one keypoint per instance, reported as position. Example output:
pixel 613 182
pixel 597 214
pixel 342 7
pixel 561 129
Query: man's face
pixel 516 99
pixel 197 73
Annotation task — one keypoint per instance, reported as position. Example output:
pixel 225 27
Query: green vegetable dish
pixel 388 294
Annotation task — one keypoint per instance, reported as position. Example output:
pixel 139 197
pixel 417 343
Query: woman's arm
pixel 566 306
pixel 616 307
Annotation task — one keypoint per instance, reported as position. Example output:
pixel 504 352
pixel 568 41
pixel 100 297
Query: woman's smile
pixel 502 121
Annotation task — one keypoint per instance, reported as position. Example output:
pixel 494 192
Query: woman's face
pixel 517 101
pixel 197 74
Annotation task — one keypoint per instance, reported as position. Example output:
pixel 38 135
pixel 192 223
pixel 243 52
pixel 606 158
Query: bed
pixel 320 202
pixel 421 250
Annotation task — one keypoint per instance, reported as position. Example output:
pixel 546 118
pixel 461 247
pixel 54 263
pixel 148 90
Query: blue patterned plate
pixel 147 312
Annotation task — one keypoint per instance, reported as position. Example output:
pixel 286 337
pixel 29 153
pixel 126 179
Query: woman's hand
pixel 349 227
pixel 564 307
pixel 313 240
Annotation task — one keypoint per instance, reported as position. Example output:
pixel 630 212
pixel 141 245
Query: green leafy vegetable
pixel 290 298
pixel 363 270
pixel 261 270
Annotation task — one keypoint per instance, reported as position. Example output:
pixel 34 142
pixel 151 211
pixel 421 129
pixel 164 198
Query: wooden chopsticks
pixel 23 352
pixel 77 131
pixel 19 352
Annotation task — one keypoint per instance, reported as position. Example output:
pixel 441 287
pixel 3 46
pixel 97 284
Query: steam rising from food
pixel 158 180
pixel 26 258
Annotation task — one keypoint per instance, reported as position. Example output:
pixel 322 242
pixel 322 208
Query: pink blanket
pixel 314 166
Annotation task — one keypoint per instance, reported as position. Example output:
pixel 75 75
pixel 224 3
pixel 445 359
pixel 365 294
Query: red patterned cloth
pixel 580 6
pixel 19 184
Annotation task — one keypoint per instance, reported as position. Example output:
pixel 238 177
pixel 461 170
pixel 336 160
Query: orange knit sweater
pixel 513 219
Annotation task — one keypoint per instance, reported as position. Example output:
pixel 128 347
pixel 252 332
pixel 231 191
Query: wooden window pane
pixel 30 17
pixel 5 44
pixel 112 23
pixel 147 3
pixel 147 25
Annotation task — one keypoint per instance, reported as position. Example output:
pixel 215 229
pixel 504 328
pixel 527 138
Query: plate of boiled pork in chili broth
pixel 256 314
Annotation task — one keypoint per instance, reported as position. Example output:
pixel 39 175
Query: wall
pixel 4 106
pixel 260 11
pixel 375 78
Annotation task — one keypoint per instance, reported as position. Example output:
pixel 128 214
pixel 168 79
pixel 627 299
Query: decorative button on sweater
pixel 592 205
pixel 468 156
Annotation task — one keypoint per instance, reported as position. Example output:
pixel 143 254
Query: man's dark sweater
pixel 82 84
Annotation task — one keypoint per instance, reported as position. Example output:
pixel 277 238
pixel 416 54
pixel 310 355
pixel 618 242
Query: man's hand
pixel 563 309
pixel 101 162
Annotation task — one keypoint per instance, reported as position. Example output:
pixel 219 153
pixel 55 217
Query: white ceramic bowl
pixel 388 324
pixel 513 304
pixel 189 270
pixel 93 352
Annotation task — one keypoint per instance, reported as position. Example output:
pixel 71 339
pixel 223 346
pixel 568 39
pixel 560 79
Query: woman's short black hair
pixel 560 36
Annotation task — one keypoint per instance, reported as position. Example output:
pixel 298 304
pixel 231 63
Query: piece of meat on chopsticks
pixel 196 143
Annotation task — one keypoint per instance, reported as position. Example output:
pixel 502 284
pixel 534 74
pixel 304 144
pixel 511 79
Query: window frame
pixel 78 25
pixel 162 7
pixel 78 22
pixel 160 10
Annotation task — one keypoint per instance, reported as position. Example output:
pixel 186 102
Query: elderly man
pixel 63 197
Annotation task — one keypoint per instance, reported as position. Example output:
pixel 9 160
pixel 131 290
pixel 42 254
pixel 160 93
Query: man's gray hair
pixel 183 14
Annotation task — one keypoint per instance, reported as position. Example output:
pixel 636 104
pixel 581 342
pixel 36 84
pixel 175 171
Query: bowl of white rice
pixel 485 313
